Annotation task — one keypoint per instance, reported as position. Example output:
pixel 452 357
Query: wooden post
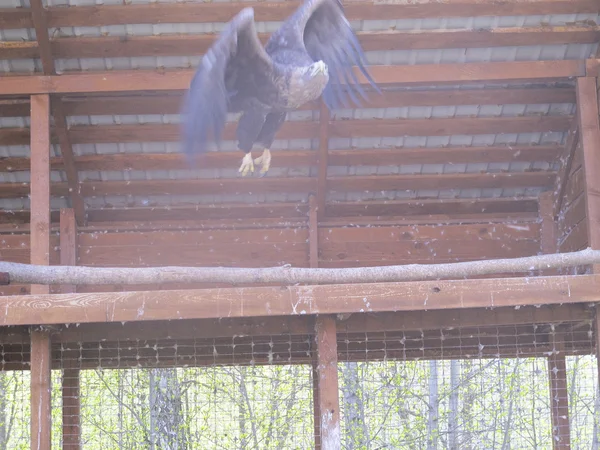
pixel 71 405
pixel 559 394
pixel 598 343
pixel 41 389
pixel 313 256
pixel 589 129
pixel 327 370
pixel 40 254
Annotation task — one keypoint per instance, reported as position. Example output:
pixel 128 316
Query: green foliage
pixel 461 404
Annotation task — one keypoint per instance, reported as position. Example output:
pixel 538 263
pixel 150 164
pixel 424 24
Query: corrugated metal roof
pixel 403 57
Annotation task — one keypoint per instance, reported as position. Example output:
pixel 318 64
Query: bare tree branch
pixel 34 274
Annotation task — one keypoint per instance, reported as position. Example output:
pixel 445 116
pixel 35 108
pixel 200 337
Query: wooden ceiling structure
pixel 317 208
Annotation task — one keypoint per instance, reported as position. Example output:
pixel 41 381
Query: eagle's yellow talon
pixel 247 165
pixel 265 161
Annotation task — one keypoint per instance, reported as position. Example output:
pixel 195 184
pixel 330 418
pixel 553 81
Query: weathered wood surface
pixel 300 129
pixel 303 325
pixel 179 80
pixel 41 391
pixel 589 126
pixel 170 103
pixel 298 300
pixel 39 188
pixel 100 15
pixel 327 382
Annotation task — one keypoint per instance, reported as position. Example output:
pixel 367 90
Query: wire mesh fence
pixel 469 388
pixel 517 387
pixel 240 393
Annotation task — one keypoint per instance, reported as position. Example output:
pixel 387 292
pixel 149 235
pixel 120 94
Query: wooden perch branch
pixel 33 274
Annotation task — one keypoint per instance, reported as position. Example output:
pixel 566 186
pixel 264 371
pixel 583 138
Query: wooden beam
pixel 301 325
pixel 188 44
pixel 179 80
pixel 566 163
pixel 170 103
pixel 40 254
pixel 559 394
pixel 68 243
pixel 68 162
pixel 327 384
pixel 40 23
pixel 322 159
pixel 439 181
pixel 39 189
pixel 201 214
pixel 425 207
pixel 597 338
pixel 313 256
pixel 549 229
pixel 303 158
pixel 100 15
pixel 313 232
pixel 38 14
pixel 447 127
pixel 41 391
pixel 298 300
pixel 549 238
pixel 589 127
pixel 295 184
pixel 283 215
pixel 87 134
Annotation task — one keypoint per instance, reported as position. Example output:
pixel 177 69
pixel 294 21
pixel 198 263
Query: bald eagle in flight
pixel 312 53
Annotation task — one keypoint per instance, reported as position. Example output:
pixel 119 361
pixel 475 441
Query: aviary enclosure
pixel 485 144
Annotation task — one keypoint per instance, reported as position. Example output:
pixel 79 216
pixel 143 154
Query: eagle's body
pixel 302 60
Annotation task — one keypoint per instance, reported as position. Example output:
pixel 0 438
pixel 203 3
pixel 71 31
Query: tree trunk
pixel 34 274
pixel 3 405
pixel 354 410
pixel 453 440
pixel 167 426
pixel 433 409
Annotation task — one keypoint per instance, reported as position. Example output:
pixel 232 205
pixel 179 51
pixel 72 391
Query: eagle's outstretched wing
pixel 328 36
pixel 236 65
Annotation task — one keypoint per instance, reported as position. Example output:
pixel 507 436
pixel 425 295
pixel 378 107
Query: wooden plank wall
pixel 338 246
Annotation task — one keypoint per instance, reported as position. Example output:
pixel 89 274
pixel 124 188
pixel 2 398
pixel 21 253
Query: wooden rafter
pixel 90 134
pixel 303 158
pixel 322 160
pixel 101 15
pixel 566 161
pixel 220 186
pixel 40 23
pixel 282 215
pixel 179 80
pixel 170 103
pixel 186 44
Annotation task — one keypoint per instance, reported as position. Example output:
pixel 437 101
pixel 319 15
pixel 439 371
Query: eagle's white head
pixel 318 68
pixel 307 83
